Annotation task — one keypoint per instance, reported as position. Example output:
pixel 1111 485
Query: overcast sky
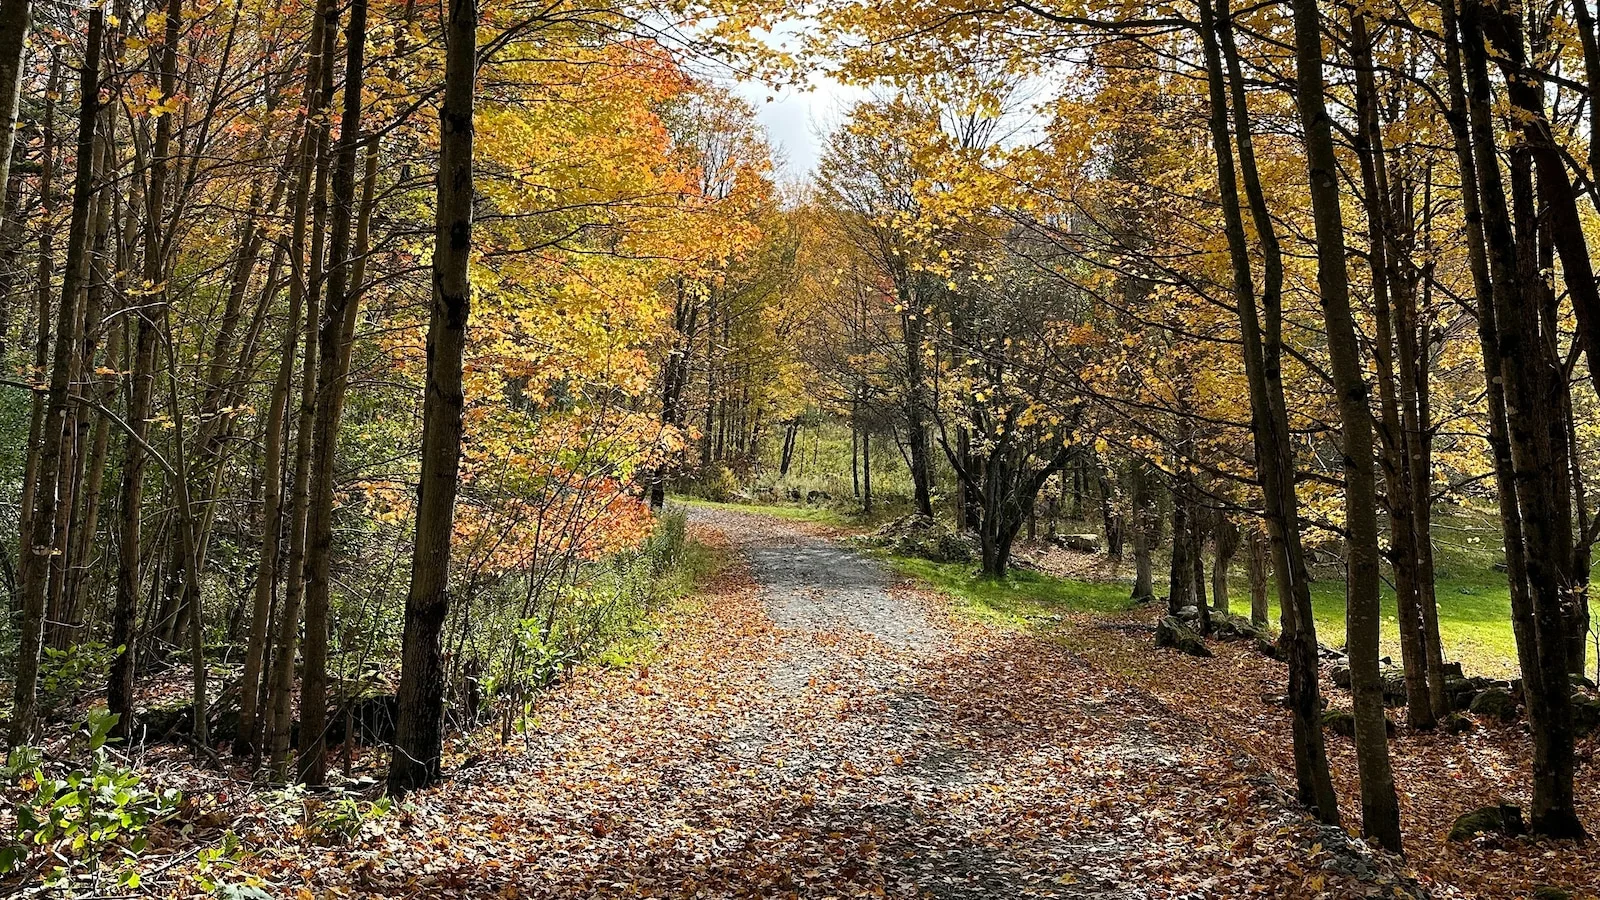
pixel 798 122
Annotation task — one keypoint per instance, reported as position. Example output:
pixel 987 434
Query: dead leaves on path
pixel 750 762
pixel 1234 697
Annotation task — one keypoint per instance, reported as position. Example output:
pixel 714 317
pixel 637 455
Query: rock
pixel 1170 632
pixel 1580 681
pixel 1497 703
pixel 1343 722
pixel 1456 723
pixel 1339 721
pixel 1270 649
pixel 1081 543
pixel 1341 676
pixel 1549 892
pixel 1503 819
pixel 1585 714
pixel 1460 691
pixel 924 537
pixel 1229 627
pixel 1394 688
pixel 1189 613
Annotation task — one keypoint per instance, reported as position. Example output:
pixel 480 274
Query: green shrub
pixel 78 815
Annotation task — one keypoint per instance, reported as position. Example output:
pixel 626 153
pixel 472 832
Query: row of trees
pixel 242 244
pixel 1314 267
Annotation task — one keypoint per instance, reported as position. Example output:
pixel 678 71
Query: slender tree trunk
pixel 1512 367
pixel 41 544
pixel 419 739
pixel 336 337
pixel 41 345
pixel 304 286
pixel 15 16
pixel 1395 446
pixel 83 540
pixel 1380 819
pixel 1261 333
pixel 266 576
pixel 1143 526
pixel 1226 541
pixel 866 473
pixel 1258 565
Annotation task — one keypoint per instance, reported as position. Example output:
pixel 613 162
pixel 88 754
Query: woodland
pixel 448 449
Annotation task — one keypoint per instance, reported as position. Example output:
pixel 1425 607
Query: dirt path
pixel 816 730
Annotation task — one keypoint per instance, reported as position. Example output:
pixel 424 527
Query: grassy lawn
pixel 1474 602
pixel 1021 597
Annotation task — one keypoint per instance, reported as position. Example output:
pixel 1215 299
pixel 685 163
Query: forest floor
pixel 816 727
pixel 823 723
pixel 1079 601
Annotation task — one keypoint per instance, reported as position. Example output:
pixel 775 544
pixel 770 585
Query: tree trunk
pixel 419 738
pixel 1382 253
pixel 1226 539
pixel 1261 340
pixel 1258 578
pixel 1143 525
pixel 1514 369
pixel 341 304
pixel 1380 818
pixel 304 281
pixel 15 16
pixel 40 546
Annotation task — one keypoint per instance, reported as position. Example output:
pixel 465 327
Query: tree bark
pixel 304 286
pixel 40 546
pixel 1395 445
pixel 1514 369
pixel 336 336
pixel 1380 818
pixel 15 18
pixel 1261 339
pixel 419 738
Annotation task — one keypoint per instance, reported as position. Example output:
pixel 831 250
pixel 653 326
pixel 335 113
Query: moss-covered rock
pixel 1585 713
pixel 1343 722
pixel 1229 627
pixel 923 537
pixel 1503 819
pixel 1496 703
pixel 1270 649
pixel 1171 632
pixel 1339 721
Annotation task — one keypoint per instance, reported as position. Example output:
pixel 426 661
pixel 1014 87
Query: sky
pixel 797 121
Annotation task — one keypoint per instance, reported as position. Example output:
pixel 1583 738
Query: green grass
pixel 1019 598
pixel 639 641
pixel 1474 601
